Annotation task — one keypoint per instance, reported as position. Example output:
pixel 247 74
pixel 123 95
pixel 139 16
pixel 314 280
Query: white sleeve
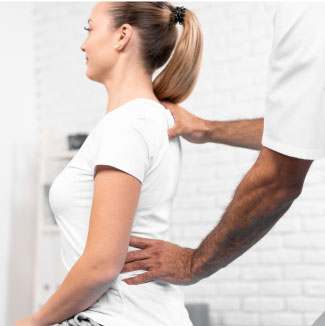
pixel 294 117
pixel 122 144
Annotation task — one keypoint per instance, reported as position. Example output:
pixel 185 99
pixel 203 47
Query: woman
pixel 123 179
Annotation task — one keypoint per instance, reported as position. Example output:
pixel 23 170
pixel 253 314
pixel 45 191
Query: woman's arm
pixel 115 199
pixel 240 133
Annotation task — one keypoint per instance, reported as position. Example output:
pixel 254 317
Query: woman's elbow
pixel 103 273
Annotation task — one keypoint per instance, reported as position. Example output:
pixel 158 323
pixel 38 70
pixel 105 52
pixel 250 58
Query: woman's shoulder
pixel 139 112
pixel 148 109
pixel 142 120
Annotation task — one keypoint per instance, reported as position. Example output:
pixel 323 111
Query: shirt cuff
pixel 289 150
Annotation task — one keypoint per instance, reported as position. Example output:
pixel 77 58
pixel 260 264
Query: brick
pixel 263 304
pixel 235 23
pixel 241 319
pixel 228 273
pixel 238 38
pixel 280 288
pixel 314 288
pixel 287 225
pixel 314 224
pixel 236 288
pixel 299 240
pixel 262 273
pixel 226 303
pixel 260 17
pixel 269 241
pixel 248 258
pixel 282 319
pixel 304 272
pixel 280 256
pixel 315 256
pixel 305 304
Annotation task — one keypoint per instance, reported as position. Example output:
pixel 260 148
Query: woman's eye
pixel 87 29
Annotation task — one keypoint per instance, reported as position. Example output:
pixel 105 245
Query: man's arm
pixel 266 192
pixel 239 133
pixel 263 196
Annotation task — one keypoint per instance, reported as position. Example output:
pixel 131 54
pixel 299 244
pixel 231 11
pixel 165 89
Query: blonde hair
pixel 154 22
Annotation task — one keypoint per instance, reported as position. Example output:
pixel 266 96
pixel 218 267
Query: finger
pixel 139 279
pixel 135 266
pixel 172 132
pixel 136 255
pixel 139 242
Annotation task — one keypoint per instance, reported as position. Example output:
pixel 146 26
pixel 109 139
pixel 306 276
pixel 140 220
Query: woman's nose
pixel 82 47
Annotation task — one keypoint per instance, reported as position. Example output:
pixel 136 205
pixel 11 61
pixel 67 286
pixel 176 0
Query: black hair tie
pixel 179 13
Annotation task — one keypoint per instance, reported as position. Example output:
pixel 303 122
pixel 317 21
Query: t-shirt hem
pixel 293 151
pixel 118 321
pixel 120 167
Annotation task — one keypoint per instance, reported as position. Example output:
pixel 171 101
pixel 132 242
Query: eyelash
pixel 87 29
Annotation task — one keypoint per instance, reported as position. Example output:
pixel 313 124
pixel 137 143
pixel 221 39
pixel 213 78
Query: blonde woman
pixel 123 179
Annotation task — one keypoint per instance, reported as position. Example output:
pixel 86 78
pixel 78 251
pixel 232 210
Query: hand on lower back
pixel 162 260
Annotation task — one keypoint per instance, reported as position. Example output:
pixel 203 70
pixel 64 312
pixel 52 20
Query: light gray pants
pixel 78 320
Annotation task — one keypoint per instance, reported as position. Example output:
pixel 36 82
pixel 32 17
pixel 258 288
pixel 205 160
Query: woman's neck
pixel 122 89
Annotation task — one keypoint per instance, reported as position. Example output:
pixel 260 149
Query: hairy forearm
pixel 78 291
pixel 240 133
pixel 257 205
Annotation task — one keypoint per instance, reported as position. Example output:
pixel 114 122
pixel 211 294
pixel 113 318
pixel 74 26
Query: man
pixel 294 136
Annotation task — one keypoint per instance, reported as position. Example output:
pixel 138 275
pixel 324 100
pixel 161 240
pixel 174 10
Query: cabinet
pixel 49 269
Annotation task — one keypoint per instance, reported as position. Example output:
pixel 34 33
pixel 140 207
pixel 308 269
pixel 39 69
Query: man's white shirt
pixel 294 121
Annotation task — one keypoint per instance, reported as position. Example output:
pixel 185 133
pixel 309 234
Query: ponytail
pixel 176 82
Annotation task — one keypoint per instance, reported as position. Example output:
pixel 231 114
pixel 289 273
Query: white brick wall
pixel 279 281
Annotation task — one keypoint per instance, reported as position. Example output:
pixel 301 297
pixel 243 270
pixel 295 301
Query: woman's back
pixel 134 139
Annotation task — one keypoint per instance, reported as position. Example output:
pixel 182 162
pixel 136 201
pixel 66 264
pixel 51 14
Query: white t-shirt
pixel 294 122
pixel 134 139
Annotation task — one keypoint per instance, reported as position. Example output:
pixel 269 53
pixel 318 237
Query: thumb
pixel 172 132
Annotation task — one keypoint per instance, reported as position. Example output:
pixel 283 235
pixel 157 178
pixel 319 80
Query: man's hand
pixel 163 260
pixel 239 133
pixel 187 125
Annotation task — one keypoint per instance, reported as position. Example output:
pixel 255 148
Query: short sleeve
pixel 122 144
pixel 294 110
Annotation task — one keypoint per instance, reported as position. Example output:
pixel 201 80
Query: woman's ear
pixel 125 34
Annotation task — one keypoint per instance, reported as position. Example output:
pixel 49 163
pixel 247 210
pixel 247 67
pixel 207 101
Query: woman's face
pixel 99 46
